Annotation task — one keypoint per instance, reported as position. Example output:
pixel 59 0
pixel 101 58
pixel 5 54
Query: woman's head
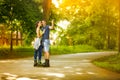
pixel 38 24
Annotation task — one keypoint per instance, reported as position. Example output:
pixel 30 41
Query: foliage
pixel 25 12
pixel 93 22
pixel 110 62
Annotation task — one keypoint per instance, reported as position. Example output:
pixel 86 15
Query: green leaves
pixel 92 22
pixel 24 12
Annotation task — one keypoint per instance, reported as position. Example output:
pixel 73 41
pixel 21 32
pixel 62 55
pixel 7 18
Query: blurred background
pixel 86 23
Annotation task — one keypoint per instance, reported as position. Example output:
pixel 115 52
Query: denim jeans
pixel 38 53
pixel 46 45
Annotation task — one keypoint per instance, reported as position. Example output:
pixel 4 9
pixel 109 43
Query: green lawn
pixel 58 50
pixel 110 62
pixel 18 52
pixel 21 52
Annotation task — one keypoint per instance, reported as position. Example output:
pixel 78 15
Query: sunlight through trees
pixel 91 22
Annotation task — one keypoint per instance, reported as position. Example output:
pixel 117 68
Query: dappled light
pixel 55 2
pixel 63 67
pixel 91 73
pixel 7 61
pixel 60 75
pixel 8 76
pixel 63 24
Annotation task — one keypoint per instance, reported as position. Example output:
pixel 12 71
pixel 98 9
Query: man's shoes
pixel 46 64
pixel 39 64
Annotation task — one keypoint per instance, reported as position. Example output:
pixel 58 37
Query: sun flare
pixel 57 3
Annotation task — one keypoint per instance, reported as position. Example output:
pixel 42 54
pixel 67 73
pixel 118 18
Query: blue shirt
pixel 46 33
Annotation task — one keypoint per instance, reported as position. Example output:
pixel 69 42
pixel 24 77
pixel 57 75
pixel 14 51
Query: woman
pixel 38 45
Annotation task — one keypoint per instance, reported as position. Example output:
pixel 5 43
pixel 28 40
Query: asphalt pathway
pixel 63 67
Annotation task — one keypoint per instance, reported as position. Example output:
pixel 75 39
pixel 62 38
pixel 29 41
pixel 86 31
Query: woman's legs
pixel 35 57
pixel 40 54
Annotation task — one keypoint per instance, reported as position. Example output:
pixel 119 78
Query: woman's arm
pixel 38 32
pixel 42 32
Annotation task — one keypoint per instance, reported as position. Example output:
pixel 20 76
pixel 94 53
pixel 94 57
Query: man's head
pixel 44 22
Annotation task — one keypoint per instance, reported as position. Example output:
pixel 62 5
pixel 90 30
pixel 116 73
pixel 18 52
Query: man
pixel 46 41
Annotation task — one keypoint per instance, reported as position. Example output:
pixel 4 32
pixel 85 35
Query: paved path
pixel 63 67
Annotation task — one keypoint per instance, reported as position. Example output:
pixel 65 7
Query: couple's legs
pixel 46 54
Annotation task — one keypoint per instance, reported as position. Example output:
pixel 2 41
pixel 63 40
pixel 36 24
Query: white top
pixel 37 43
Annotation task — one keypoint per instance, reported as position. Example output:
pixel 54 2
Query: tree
pixel 119 30
pixel 118 7
pixel 46 9
pixel 93 22
pixel 26 12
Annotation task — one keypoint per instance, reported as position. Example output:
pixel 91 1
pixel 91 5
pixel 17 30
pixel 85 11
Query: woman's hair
pixel 36 25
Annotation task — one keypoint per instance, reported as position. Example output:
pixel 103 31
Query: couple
pixel 42 41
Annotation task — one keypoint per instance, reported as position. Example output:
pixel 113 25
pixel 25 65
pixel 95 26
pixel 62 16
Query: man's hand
pixel 52 25
pixel 52 21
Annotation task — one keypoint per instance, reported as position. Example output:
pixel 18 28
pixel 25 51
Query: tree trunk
pixel 119 38
pixel 17 38
pixel 11 41
pixel 108 42
pixel 21 38
pixel 46 9
pixel 119 29
pixel 11 25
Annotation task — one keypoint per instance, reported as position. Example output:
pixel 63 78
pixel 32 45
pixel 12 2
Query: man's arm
pixel 52 25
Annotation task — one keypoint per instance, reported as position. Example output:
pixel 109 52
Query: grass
pixel 109 62
pixel 58 50
pixel 18 52
pixel 28 51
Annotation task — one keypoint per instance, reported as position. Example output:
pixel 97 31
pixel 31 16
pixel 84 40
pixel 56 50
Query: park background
pixel 80 26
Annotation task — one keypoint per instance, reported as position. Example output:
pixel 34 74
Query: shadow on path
pixel 63 67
